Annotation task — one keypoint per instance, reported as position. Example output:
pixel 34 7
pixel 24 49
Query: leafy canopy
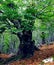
pixel 25 11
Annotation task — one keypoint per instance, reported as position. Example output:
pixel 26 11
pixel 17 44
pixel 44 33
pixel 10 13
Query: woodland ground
pixel 45 52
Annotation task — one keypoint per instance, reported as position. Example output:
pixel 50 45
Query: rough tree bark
pixel 27 46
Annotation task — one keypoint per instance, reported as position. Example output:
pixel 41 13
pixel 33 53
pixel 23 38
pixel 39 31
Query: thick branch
pixel 17 23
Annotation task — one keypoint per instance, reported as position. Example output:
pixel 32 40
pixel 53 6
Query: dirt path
pixel 45 52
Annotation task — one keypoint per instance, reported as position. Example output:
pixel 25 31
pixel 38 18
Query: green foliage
pixel 34 15
pixel 41 9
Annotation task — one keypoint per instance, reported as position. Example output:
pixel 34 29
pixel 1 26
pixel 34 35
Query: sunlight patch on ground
pixel 48 60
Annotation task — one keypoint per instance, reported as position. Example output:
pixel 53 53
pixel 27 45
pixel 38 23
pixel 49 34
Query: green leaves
pixel 27 11
pixel 26 15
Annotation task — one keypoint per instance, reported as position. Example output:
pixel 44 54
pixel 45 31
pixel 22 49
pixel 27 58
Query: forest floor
pixel 46 51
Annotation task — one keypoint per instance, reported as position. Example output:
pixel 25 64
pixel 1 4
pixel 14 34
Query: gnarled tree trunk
pixel 27 46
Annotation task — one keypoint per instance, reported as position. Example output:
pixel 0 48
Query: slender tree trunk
pixel 43 38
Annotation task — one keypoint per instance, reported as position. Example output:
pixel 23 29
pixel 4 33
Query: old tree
pixel 20 15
